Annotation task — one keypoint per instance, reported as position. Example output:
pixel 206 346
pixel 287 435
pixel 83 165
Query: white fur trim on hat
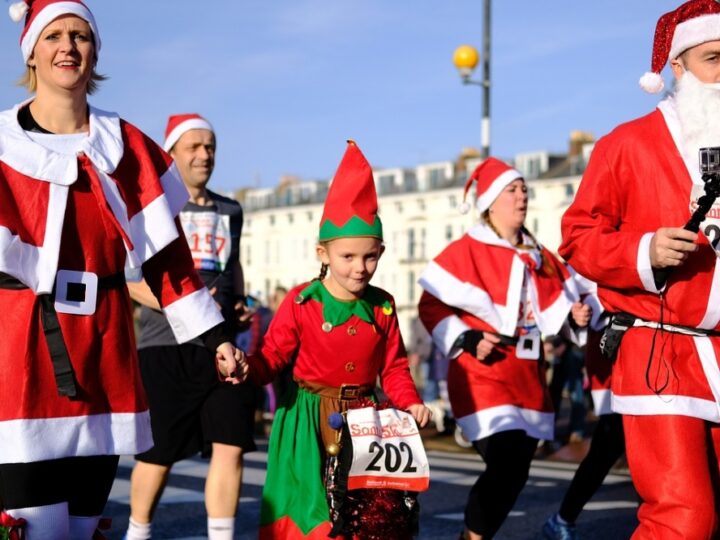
pixel 652 82
pixel 48 15
pixel 18 10
pixel 486 199
pixel 182 127
pixel 694 32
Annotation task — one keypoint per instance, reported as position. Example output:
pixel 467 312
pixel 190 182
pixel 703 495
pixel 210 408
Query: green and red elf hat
pixel 351 207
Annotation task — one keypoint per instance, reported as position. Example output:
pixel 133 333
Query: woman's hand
pixel 420 413
pixel 230 363
pixel 581 314
pixel 486 345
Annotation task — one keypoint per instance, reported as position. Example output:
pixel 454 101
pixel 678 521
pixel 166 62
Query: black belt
pixel 62 368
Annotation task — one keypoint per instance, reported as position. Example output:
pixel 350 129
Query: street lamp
pixel 466 58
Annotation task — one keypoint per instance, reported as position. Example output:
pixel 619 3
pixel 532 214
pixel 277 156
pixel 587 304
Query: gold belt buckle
pixel 349 392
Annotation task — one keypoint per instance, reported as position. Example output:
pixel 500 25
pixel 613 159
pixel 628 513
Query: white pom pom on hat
pixel 652 83
pixel 18 10
pixel 691 24
pixel 492 176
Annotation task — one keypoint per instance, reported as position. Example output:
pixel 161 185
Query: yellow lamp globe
pixel 465 58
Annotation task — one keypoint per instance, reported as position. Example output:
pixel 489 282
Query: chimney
pixel 577 140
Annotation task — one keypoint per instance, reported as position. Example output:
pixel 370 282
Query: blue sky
pixel 286 82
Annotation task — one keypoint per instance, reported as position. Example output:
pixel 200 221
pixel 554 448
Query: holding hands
pixel 231 363
pixel 420 413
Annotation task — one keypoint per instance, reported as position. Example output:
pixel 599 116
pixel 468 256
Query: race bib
pixel 387 451
pixel 208 235
pixel 711 226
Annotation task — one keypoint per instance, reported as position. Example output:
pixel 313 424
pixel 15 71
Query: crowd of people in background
pixel 95 215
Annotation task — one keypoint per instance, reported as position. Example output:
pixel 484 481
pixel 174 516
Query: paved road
pixel 181 515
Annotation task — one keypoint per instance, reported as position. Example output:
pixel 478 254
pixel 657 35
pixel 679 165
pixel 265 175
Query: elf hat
pixel 351 207
pixel 178 124
pixel 492 176
pixel 691 24
pixel 39 13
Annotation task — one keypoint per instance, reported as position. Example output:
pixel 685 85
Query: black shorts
pixel 189 407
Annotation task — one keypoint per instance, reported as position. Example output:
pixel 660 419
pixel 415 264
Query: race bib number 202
pixel 387 451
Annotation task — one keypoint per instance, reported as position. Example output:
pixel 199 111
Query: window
pixel 272 219
pixel 535 225
pixel 423 234
pixel 310 216
pixel 421 205
pixel 436 177
pixel 452 199
pixel 448 233
pixel 291 219
pixel 569 191
pixel 267 251
pixel 386 183
pixel 531 193
pixel 248 255
pixel 411 287
pixel 411 244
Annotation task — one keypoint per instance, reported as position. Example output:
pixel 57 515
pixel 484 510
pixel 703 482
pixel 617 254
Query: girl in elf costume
pixel 488 298
pixel 342 334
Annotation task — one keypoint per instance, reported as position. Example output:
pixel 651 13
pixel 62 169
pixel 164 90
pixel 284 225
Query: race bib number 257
pixel 387 451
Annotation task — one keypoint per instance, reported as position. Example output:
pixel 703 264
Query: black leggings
pixel 507 457
pixel 608 444
pixel 83 482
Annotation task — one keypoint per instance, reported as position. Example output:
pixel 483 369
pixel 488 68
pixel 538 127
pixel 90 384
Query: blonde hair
pixel 29 81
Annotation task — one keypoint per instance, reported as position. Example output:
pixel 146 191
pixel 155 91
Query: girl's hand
pixel 581 314
pixel 230 363
pixel 486 345
pixel 420 413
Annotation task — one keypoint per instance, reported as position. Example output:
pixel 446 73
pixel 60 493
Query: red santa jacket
pixel 477 282
pixel 637 181
pixel 354 352
pixel 109 207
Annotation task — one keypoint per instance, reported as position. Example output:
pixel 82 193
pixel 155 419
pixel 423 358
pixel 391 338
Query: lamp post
pixel 466 58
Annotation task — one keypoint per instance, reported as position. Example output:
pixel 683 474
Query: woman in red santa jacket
pixel 488 298
pixel 83 196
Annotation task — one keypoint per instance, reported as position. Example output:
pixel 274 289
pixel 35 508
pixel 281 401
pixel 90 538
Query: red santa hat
pixel 492 176
pixel 39 13
pixel 351 207
pixel 691 24
pixel 179 124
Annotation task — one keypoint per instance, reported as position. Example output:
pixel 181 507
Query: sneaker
pixel 554 530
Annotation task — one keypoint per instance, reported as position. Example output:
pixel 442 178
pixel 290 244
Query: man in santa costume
pixel 84 196
pixel 187 402
pixel 625 232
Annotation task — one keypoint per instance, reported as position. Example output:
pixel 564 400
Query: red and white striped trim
pixel 181 128
pixel 26 440
pixel 49 14
pixel 694 32
pixel 192 315
pixel 446 332
pixel 484 423
pixel 602 401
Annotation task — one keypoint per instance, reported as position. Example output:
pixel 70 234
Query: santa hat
pixel 691 24
pixel 492 176
pixel 39 13
pixel 178 124
pixel 351 207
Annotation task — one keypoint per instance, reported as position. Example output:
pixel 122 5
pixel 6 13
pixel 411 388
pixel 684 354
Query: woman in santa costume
pixel 625 232
pixel 488 298
pixel 341 333
pixel 83 196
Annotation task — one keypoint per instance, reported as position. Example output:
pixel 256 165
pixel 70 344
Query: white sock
pixel 49 522
pixel 220 528
pixel 138 531
pixel 83 528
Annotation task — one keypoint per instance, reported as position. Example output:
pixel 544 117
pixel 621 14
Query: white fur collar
pixel 103 146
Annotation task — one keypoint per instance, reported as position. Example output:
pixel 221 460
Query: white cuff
pixel 192 315
pixel 644 268
pixel 446 332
